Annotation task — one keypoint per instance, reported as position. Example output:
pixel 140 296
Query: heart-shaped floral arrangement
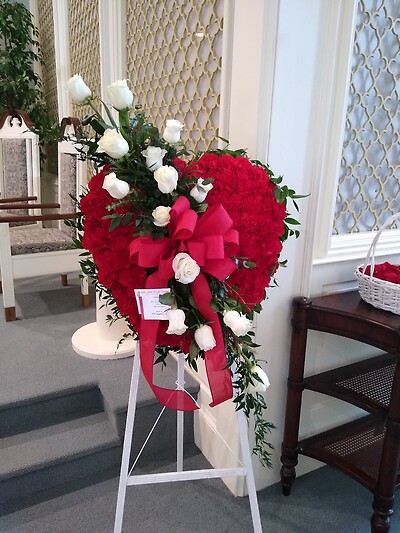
pixel 209 228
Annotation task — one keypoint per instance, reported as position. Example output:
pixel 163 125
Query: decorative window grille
pixel 49 74
pixel 84 41
pixel 174 54
pixel 369 182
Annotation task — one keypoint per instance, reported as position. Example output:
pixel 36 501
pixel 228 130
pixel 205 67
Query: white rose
pixel 204 337
pixel 161 216
pixel 177 324
pixel 258 386
pixel 154 156
pixel 238 323
pixel 172 132
pixel 113 144
pixel 166 178
pixel 78 89
pixel 117 188
pixel 120 95
pixel 199 191
pixel 186 269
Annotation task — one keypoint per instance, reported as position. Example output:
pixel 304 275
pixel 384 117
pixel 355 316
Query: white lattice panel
pixel 85 44
pixel 369 191
pixel 49 75
pixel 174 50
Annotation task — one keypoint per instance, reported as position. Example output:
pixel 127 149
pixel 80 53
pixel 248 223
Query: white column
pixel 112 42
pixel 6 268
pixel 61 47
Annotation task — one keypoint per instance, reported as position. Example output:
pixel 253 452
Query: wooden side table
pixel 367 449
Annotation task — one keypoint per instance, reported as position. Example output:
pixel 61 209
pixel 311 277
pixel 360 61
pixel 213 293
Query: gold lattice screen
pixel 174 50
pixel 45 25
pixel 369 182
pixel 84 39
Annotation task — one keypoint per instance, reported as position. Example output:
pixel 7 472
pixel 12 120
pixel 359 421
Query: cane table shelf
pixel 367 449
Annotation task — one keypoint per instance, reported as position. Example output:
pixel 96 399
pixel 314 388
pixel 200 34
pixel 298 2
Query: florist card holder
pixel 127 478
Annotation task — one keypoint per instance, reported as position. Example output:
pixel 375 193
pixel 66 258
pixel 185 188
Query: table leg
pixel 294 394
pixel 389 464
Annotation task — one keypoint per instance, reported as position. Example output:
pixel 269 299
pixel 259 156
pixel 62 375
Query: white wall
pixel 302 59
pixel 290 153
pixel 269 71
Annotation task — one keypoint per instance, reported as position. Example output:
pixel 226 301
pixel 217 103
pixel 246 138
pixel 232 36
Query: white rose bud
pixel 78 89
pixel 199 191
pixel 204 337
pixel 166 178
pixel 120 95
pixel 117 188
pixel 154 156
pixel 177 324
pixel 258 386
pixel 172 132
pixel 238 323
pixel 186 269
pixel 161 216
pixel 113 144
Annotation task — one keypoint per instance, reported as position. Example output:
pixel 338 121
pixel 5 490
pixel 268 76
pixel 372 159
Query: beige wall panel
pixel 174 55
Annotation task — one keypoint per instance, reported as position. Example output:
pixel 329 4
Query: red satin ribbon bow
pixel 210 240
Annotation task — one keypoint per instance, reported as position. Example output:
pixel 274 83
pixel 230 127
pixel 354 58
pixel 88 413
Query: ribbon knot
pixel 210 240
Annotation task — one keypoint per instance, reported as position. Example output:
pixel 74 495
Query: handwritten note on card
pixel 149 306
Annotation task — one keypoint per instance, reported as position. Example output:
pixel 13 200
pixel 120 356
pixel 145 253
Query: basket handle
pixel 371 252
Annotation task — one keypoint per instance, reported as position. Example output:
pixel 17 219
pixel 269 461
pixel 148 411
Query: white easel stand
pixel 180 475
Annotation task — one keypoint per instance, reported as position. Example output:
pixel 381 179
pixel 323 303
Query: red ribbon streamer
pixel 210 240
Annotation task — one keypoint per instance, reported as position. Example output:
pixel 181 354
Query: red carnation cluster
pixel 247 194
pixel 385 271
pixel 110 248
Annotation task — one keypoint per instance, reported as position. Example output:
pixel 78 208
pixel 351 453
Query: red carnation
pixel 247 194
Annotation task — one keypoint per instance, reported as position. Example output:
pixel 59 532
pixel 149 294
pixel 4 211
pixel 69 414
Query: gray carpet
pixel 36 354
pixel 36 357
pixel 323 501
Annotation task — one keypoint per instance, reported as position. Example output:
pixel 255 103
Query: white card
pixel 149 305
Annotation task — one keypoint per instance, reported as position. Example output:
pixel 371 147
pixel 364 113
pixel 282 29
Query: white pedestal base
pixel 88 342
pixel 99 340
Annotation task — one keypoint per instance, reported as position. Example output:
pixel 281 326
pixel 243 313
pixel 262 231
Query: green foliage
pixel 20 85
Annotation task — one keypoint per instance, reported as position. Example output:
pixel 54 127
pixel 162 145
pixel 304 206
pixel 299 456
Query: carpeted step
pixel 49 456
pixel 48 409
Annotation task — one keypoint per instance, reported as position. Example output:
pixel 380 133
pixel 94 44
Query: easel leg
pixel 130 418
pixel 251 486
pixel 180 415
pixel 180 475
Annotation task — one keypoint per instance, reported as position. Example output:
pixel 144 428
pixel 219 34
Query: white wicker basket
pixel 377 292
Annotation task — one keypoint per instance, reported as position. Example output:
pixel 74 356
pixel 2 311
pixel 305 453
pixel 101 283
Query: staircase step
pixel 75 435
pixel 59 453
pixel 52 408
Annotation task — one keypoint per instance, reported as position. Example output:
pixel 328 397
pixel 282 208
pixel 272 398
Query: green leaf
pixel 292 221
pixel 115 222
pixel 109 115
pixel 249 264
pixel 98 126
pixel 193 351
pixel 202 208
pixel 214 305
pixel 166 299
pixel 192 302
